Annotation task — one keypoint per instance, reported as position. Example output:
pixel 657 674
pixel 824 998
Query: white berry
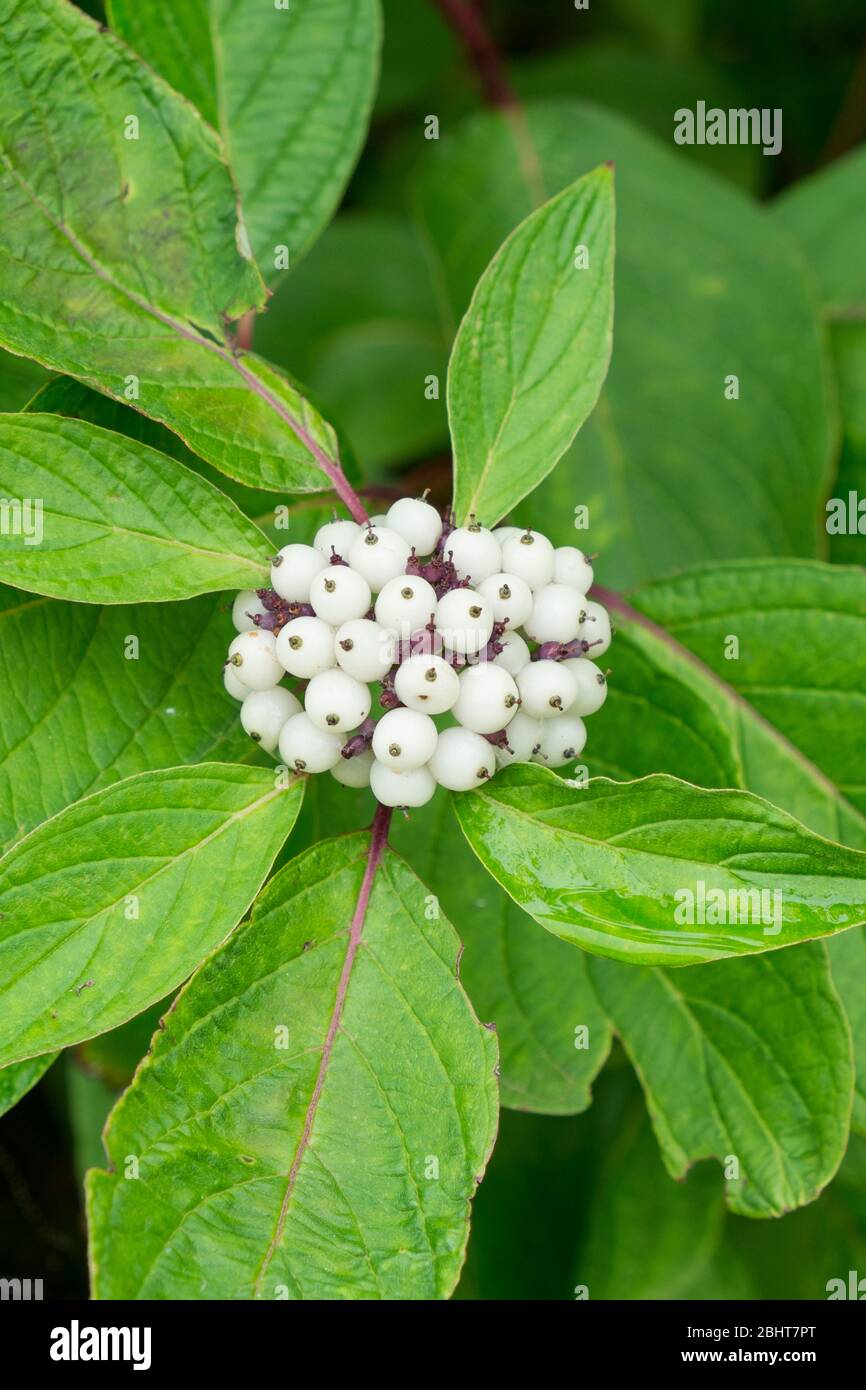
pixel 524 738
pixel 264 712
pixel 546 688
pixel 253 656
pixel 406 605
pixel 462 760
pixel 246 605
pixel 339 593
pixel 488 698
pixel 336 701
pixel 591 685
pixel 530 557
pixel 233 684
pixel 555 615
pixel 504 533
pixel 306 748
pixel 475 552
pixel 417 522
pixel 335 536
pixel 293 571
pixel 595 627
pixel 509 596
pixel 427 683
pixel 305 647
pixel 570 566
pixel 515 653
pixel 354 772
pixel 379 554
pixel 392 788
pixel 404 739
pixel 562 740
pixel 364 649
pixel 465 621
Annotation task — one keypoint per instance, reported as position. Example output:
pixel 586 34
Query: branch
pixel 465 18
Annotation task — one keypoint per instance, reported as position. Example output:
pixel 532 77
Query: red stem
pixel 378 844
pixel 466 20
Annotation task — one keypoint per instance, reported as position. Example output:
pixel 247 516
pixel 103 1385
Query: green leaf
pixel 106 520
pixel 707 286
pixel 539 991
pixel 798 676
pixel 80 713
pixel 744 1059
pixel 289 89
pixel 763 716
pixel 611 866
pixel 122 260
pixel 553 1034
pixel 366 343
pixel 827 215
pixel 108 906
pixel 845 515
pixel 532 352
pixel 848 962
pixel 339 1163
pixel 63 395
pixel 17 1079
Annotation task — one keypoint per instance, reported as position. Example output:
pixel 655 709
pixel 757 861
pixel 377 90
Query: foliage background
pixel 361 321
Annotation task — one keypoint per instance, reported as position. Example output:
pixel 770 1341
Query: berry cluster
pixel 440 638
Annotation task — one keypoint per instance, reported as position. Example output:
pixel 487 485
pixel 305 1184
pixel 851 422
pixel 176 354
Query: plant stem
pixel 466 20
pixel 378 842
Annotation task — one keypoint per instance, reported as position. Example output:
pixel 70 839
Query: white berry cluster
pixel 429 614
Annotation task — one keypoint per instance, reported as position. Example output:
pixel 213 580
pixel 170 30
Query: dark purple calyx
pixel 279 611
pixel 270 598
pixel 562 651
pixel 438 571
pixel 499 739
pixel 388 699
pixel 495 644
pixel 360 740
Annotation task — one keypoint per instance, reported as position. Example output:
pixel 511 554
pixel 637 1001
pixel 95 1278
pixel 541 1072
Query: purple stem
pixel 465 18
